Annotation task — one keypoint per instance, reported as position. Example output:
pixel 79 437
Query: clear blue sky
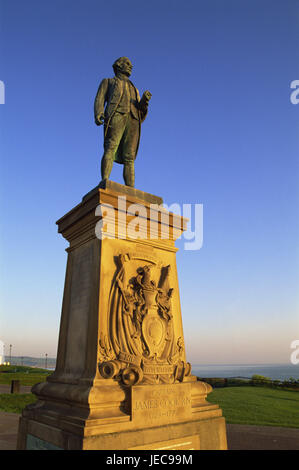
pixel 221 131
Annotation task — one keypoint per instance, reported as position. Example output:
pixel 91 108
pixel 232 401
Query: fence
pixel 216 382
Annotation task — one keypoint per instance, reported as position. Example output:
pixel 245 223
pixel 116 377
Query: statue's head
pixel 123 65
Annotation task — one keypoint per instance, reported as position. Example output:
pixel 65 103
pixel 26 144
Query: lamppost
pixel 46 363
pixel 10 346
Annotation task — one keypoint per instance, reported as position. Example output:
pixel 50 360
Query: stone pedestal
pixel 121 379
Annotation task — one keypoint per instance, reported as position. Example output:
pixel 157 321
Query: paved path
pixel 240 437
pixel 245 437
pixel 23 389
pixel 8 430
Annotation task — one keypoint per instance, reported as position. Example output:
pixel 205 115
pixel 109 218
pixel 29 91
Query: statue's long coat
pixel 110 93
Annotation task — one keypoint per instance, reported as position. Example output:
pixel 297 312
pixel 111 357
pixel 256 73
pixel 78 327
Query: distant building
pixel 2 357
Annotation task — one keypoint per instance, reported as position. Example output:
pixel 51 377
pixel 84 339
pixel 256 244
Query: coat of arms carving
pixel 141 345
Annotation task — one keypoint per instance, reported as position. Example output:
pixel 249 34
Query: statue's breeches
pixel 122 137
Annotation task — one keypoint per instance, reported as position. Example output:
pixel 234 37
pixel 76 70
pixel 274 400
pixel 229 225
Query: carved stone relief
pixel 140 345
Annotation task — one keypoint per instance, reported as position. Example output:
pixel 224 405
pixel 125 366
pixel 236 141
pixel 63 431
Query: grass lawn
pixel 14 403
pixel 240 405
pixel 258 406
pixel 26 379
pixel 27 375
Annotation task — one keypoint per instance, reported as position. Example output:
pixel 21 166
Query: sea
pixel 272 371
pixel 246 371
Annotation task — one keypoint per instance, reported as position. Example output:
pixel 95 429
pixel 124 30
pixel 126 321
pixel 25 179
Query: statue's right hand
pixel 99 120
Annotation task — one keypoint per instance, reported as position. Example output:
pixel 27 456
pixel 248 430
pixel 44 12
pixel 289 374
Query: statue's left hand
pixel 99 120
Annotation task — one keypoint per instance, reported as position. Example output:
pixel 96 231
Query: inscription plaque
pixel 159 404
pixel 35 443
pixel 184 443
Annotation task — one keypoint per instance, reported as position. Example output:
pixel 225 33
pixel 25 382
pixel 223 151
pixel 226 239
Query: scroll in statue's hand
pixel 146 96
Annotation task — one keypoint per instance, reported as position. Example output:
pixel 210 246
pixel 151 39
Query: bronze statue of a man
pixel 122 119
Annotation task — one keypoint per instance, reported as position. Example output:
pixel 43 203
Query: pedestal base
pixel 145 417
pixel 208 434
pixel 121 381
